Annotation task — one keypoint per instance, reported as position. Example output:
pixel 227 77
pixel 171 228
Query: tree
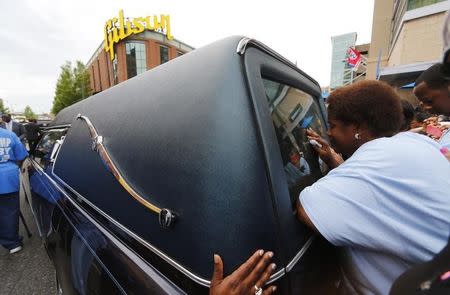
pixel 73 85
pixel 3 109
pixel 29 114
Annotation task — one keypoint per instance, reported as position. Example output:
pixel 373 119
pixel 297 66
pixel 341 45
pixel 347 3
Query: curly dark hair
pixel 373 103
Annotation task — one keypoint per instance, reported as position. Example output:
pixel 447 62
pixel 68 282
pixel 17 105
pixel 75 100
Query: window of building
pixel 163 54
pixel 341 74
pixel 413 4
pixel 114 63
pixel 293 112
pixel 136 58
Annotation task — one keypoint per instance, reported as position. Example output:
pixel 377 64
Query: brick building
pixel 129 49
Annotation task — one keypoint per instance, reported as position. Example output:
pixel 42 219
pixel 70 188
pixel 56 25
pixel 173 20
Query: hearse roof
pixel 139 93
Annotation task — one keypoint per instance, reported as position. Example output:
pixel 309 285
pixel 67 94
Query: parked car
pixel 135 188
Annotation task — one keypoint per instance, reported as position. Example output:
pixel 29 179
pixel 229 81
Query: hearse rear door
pixel 286 103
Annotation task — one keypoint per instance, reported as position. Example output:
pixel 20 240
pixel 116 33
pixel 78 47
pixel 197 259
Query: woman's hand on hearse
pixel 249 278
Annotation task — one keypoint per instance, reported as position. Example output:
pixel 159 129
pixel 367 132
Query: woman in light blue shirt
pixel 388 205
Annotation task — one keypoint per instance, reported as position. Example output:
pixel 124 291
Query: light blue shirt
pixel 445 139
pixel 11 150
pixel 388 205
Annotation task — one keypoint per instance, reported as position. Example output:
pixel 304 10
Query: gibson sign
pixel 117 29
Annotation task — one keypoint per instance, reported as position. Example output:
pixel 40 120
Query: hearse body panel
pixel 203 138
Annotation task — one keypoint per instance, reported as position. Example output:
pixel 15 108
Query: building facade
pixel 341 72
pixel 131 47
pixel 406 40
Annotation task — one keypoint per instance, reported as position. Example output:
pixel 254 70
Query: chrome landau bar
pixel 98 146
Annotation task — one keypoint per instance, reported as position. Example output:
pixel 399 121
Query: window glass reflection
pixel 294 111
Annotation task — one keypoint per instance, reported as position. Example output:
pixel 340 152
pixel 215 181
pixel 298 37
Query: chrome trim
pixel 206 283
pixel 279 274
pixel 245 42
pixel 152 248
pixel 242 45
pixel 292 263
pixel 62 126
pixel 55 150
pixel 300 254
pixel 59 149
pixel 99 147
pixel 124 248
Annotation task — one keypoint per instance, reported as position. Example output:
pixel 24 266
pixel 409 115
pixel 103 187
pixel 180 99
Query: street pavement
pixel 29 271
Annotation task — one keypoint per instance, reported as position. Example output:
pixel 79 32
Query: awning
pixel 399 75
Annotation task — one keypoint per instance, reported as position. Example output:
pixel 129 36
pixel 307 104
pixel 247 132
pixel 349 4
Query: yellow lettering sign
pixel 117 29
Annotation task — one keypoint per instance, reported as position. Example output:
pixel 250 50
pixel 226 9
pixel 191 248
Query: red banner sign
pixel 353 58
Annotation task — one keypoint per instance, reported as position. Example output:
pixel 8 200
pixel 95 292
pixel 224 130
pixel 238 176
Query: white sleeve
pixel 344 210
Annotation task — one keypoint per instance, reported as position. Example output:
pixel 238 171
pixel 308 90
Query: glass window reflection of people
pixel 294 111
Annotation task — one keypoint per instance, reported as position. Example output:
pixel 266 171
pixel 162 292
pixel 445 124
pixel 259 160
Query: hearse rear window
pixel 294 111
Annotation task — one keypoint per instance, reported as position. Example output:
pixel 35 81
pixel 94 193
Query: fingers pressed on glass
pixel 309 131
pixel 322 141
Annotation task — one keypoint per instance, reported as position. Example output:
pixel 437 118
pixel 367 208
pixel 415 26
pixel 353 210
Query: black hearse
pixel 135 188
